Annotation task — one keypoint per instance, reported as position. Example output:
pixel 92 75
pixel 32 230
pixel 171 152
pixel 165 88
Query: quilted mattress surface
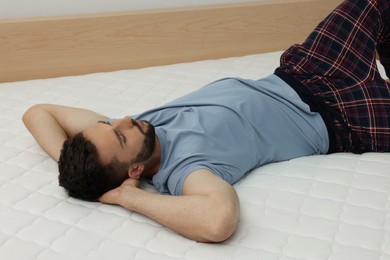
pixel 321 207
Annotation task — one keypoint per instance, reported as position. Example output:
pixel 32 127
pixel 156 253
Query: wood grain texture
pixel 60 46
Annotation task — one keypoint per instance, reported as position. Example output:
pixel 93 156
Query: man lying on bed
pixel 327 96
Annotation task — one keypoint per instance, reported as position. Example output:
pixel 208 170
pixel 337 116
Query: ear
pixel 135 172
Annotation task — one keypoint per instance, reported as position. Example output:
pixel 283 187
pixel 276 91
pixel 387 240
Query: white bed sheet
pixel 321 207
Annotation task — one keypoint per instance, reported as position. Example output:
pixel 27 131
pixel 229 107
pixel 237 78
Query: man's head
pixel 104 155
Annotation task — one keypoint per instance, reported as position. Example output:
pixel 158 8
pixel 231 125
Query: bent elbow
pixel 221 234
pixel 223 226
pixel 26 116
pixel 30 113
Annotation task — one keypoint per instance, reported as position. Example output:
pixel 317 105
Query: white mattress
pixel 321 207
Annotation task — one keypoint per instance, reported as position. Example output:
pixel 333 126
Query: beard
pixel 149 142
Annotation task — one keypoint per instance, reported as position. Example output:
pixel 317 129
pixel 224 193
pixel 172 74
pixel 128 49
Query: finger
pixel 131 182
pixel 110 197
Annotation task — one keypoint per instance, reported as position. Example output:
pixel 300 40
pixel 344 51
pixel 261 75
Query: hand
pixel 114 196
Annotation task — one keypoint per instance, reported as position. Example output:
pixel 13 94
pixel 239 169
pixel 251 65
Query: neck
pixel 152 165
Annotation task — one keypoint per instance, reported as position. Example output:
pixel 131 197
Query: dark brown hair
pixel 81 172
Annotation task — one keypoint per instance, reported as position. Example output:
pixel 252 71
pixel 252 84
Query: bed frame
pixel 61 46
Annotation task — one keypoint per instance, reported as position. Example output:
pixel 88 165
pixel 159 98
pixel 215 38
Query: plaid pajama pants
pixel 334 71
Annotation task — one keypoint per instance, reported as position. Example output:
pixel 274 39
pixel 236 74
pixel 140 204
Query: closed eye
pixel 120 137
pixel 104 122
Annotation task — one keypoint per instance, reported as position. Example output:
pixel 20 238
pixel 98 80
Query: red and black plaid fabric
pixel 335 72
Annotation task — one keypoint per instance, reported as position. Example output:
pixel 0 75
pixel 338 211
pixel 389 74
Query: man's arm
pixel 51 125
pixel 207 211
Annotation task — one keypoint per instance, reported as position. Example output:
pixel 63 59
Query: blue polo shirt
pixel 231 127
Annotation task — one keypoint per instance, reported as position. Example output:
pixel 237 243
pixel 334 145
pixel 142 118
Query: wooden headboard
pixel 60 46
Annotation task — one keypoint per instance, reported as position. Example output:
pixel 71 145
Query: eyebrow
pixel 115 132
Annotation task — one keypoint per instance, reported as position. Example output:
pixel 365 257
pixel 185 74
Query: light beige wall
pixel 51 47
pixel 10 9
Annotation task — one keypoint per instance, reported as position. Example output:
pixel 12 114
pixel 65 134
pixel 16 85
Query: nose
pixel 125 122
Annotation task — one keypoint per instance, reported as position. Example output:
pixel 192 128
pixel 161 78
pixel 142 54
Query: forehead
pixel 104 139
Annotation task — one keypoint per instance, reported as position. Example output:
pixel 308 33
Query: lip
pixel 140 124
